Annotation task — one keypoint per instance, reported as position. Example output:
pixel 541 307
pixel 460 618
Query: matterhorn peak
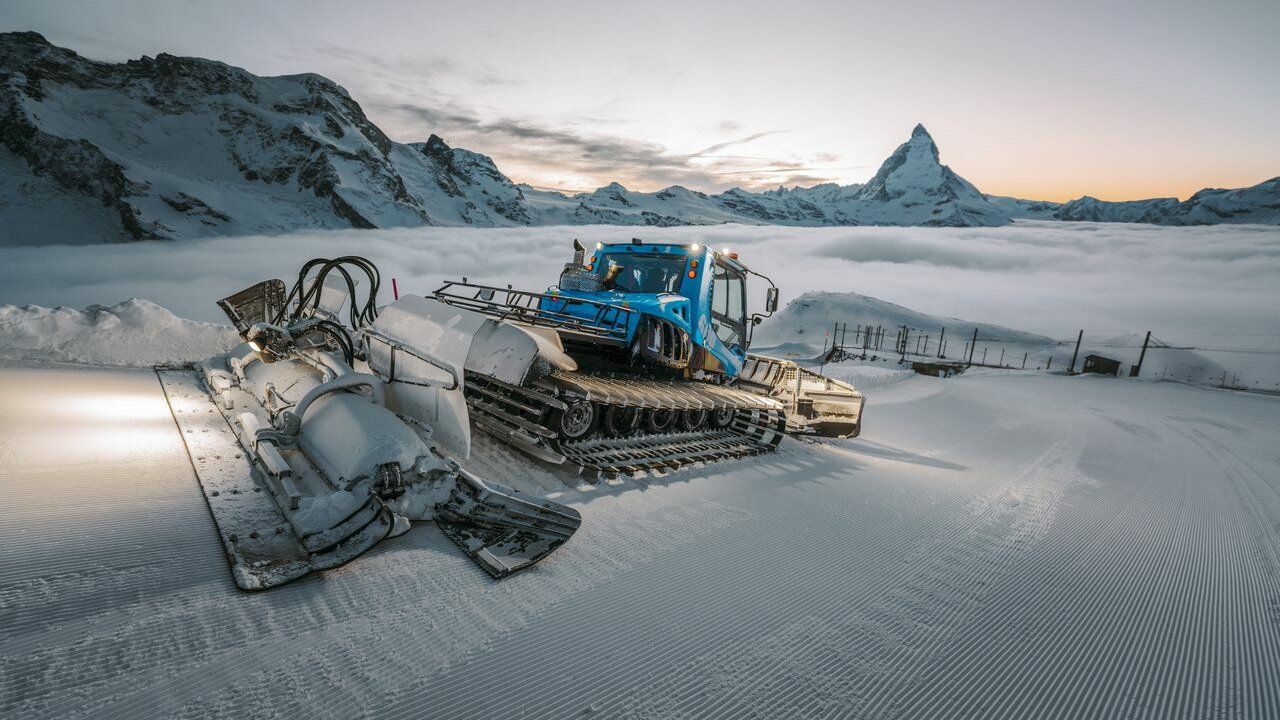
pixel 914 184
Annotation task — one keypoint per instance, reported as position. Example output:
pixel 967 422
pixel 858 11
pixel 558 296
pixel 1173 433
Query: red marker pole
pixel 395 290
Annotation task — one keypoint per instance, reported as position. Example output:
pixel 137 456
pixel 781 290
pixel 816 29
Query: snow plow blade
pixel 815 404
pixel 500 528
pixel 262 545
pixel 279 520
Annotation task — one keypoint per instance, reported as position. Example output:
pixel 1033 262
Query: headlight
pixel 271 342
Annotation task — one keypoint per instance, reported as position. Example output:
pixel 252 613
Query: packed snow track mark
pixel 996 547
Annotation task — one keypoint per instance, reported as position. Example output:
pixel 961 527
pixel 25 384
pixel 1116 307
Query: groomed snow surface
pixel 995 546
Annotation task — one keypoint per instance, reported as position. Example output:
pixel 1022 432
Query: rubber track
pixel 515 414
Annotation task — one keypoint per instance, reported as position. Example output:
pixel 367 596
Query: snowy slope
pixel 996 547
pixel 809 317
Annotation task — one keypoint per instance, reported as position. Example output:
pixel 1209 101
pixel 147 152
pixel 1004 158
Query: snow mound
pixel 868 375
pixel 133 333
pixel 806 321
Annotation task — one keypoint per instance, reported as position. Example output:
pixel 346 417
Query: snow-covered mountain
pixel 803 323
pixel 1092 209
pixel 170 147
pixel 911 188
pixel 677 205
pixel 1257 204
pixel 1028 209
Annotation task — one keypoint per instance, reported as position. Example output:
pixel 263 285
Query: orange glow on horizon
pixel 1114 191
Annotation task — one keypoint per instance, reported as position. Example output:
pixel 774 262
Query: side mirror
pixel 771 300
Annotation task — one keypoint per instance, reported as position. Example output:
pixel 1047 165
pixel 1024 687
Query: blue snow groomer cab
pixel 682 307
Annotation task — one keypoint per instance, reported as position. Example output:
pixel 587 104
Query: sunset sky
pixel 1038 100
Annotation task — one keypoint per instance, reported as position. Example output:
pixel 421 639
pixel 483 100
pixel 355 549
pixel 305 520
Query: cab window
pixel 642 273
pixel 728 305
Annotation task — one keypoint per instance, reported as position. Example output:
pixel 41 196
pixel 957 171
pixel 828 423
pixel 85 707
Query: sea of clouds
pixel 1046 277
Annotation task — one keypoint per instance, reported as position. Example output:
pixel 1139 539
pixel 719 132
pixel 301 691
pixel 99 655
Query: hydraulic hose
pixel 344 382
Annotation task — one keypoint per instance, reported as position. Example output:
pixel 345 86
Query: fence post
pixel 1138 368
pixel 973 344
pixel 1072 369
pixel 1024 360
pixel 942 336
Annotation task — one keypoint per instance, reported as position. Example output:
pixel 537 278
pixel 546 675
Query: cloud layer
pixel 1051 278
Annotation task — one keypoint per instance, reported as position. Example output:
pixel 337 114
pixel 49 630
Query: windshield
pixel 633 272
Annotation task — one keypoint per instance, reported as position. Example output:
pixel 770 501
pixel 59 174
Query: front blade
pixel 261 544
pixel 500 528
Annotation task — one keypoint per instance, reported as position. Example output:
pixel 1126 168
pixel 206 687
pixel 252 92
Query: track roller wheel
pixel 721 417
pixel 619 421
pixel 576 421
pixel 660 420
pixel 693 419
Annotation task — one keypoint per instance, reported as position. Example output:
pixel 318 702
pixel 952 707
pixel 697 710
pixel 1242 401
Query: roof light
pixel 725 250
pixel 599 245
pixel 695 247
